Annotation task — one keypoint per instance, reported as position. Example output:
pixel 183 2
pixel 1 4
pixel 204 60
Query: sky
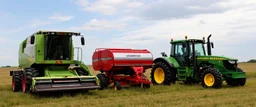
pixel 138 24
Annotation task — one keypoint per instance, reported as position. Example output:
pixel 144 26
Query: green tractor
pixel 189 63
pixel 47 63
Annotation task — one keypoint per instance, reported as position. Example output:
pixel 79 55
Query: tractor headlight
pixel 232 61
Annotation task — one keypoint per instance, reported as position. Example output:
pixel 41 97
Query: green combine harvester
pixel 188 62
pixel 47 63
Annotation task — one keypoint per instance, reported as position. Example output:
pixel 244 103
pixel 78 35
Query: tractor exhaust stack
pixel 209 45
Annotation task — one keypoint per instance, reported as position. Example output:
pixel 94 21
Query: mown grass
pixel 171 96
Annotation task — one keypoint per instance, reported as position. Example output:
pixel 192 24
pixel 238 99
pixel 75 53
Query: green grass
pixel 167 96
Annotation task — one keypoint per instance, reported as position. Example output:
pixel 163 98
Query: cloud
pixel 61 17
pixel 39 22
pixel 230 29
pixel 108 7
pixel 103 24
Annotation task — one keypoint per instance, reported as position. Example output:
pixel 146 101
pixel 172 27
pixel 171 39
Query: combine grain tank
pixel 123 67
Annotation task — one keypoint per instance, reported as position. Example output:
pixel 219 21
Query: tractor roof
pixel 57 32
pixel 189 40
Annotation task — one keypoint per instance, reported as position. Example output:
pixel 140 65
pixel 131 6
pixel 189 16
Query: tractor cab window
pixel 199 49
pixel 181 51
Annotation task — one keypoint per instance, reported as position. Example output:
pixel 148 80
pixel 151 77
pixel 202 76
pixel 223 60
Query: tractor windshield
pixel 199 49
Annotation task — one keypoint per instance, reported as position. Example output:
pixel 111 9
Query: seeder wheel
pixel 117 85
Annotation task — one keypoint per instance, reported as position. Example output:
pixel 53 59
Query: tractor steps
pixel 182 73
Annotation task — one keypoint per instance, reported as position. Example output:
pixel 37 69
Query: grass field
pixel 171 96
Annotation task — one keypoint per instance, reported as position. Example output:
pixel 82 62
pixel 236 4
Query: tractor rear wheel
pixel 103 80
pixel 27 79
pixel 211 78
pixel 162 74
pixel 237 82
pixel 16 81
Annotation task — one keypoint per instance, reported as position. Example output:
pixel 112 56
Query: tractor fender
pixel 168 60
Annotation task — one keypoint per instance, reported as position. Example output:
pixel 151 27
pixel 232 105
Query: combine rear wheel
pixel 16 81
pixel 27 79
pixel 162 74
pixel 211 78
pixel 103 80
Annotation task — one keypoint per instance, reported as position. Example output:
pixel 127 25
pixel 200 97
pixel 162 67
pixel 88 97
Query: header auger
pixel 188 62
pixel 46 59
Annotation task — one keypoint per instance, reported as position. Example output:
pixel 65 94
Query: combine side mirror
pixel 82 40
pixel 212 44
pixel 163 54
pixel 32 39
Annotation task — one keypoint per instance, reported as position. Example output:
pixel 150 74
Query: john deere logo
pixel 132 55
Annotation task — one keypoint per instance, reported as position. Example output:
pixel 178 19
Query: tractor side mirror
pixel 163 54
pixel 82 40
pixel 212 44
pixel 32 39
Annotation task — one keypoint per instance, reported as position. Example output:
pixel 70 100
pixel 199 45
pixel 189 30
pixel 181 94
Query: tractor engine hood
pixel 219 58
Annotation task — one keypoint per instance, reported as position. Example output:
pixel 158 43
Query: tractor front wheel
pixel 162 74
pixel 103 80
pixel 17 81
pixel 211 78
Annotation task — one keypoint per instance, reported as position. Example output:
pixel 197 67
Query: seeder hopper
pixel 123 67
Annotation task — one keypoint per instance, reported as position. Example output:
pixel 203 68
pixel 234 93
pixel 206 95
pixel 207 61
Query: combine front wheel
pixel 27 79
pixel 211 78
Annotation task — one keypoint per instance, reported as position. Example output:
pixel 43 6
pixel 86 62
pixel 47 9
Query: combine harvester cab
pixel 46 60
pixel 123 67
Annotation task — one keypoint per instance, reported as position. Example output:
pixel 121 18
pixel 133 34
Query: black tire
pixel 146 86
pixel 16 81
pixel 237 82
pixel 168 74
pixel 27 77
pixel 216 75
pixel 103 81
pixel 81 72
pixel 117 85
pixel 191 81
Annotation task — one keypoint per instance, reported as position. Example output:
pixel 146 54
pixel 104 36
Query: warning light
pixel 186 37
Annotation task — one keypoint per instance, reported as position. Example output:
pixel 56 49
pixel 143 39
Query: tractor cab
pixel 186 51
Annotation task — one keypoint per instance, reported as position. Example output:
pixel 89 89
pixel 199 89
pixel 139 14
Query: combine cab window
pixel 57 47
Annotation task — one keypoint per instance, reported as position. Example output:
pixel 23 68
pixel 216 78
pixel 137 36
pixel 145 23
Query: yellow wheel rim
pixel 209 79
pixel 159 75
